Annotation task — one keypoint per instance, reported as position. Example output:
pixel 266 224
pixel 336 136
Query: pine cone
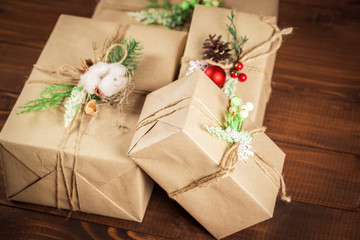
pixel 216 50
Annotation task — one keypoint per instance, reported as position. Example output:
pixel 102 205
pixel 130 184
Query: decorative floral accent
pixel 244 150
pixel 170 15
pixel 105 78
pixel 229 87
pixel 194 65
pixel 151 16
pixel 232 133
pixel 90 107
pixel 73 103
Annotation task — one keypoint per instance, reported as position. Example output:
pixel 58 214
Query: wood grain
pixel 313 115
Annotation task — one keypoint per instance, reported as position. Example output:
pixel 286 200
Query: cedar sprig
pixel 154 4
pixel 237 46
pixel 49 97
pixel 133 54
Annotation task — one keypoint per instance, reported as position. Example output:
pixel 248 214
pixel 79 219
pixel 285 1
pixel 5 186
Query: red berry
pixel 242 77
pixel 239 66
pixel 234 73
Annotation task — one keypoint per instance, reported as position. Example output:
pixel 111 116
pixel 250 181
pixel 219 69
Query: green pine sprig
pixel 49 97
pixel 154 4
pixel 133 54
pixel 237 46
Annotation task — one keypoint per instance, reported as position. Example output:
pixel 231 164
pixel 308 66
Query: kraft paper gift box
pixel 108 182
pixel 173 147
pixel 209 20
pixel 116 10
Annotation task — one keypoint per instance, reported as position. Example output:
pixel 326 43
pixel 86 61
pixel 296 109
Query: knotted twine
pixel 68 74
pixel 230 158
pixel 275 40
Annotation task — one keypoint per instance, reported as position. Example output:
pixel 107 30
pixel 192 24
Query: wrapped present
pixel 117 10
pixel 85 166
pixel 261 38
pixel 173 147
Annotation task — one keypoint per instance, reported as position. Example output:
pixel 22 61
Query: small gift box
pixel 84 167
pixel 173 147
pixel 117 10
pixel 258 38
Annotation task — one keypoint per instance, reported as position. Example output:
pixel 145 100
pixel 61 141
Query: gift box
pixel 116 10
pixel 258 56
pixel 173 147
pixel 95 174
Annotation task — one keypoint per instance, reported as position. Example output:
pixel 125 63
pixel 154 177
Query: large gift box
pixel 258 56
pixel 116 10
pixel 103 180
pixel 173 147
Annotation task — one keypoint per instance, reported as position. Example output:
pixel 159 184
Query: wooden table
pixel 313 115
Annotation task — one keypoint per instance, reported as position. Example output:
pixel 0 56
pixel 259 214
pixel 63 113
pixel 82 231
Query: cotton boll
pixel 249 106
pixel 117 69
pixel 114 81
pixel 112 84
pixel 100 69
pixel 244 114
pixel 89 81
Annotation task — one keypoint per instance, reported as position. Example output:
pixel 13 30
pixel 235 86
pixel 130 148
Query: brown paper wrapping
pixel 257 88
pixel 108 182
pixel 176 150
pixel 115 10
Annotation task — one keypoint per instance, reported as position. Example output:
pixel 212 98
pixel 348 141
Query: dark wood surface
pixel 313 115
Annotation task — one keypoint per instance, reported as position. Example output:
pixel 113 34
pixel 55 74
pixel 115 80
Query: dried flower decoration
pixel 232 132
pixel 106 79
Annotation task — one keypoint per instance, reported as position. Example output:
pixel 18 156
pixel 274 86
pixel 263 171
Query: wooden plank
pixel 23 224
pixel 294 220
pixel 323 54
pixel 37 19
pixel 15 65
pixel 322 177
pixel 314 120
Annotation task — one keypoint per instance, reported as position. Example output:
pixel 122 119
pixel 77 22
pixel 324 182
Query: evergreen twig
pixel 154 4
pixel 49 97
pixel 237 46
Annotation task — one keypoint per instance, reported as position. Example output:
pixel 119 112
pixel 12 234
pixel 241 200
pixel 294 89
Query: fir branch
pixel 49 97
pixel 154 4
pixel 237 46
pixel 133 54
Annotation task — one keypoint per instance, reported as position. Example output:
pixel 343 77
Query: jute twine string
pixel 68 74
pixel 276 36
pixel 148 120
pixel 229 159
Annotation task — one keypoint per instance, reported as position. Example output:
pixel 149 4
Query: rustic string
pixel 108 51
pixel 228 161
pixel 71 75
pixel 277 36
pixel 147 120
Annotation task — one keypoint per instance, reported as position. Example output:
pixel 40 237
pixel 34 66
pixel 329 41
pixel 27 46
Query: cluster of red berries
pixel 235 72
